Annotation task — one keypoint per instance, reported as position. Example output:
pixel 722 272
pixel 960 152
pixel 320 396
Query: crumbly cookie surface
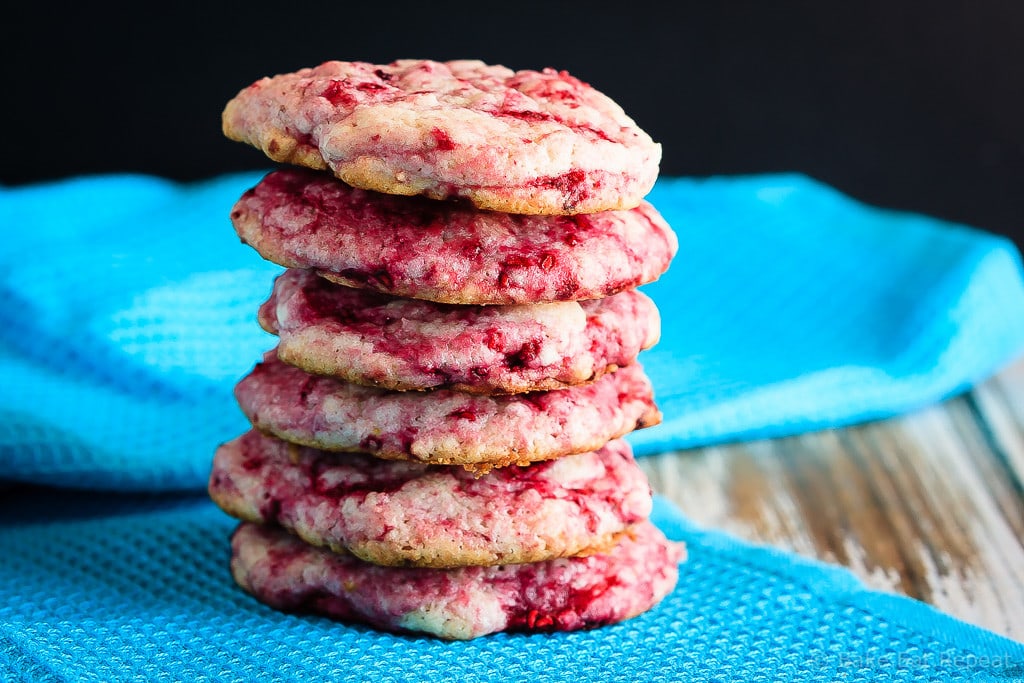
pixel 444 427
pixel 399 513
pixel 558 595
pixel 535 142
pixel 448 252
pixel 410 344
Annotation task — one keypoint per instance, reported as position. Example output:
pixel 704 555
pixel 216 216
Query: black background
pixel 917 106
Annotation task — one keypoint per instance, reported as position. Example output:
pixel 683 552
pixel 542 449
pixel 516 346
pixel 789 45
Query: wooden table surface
pixel 930 504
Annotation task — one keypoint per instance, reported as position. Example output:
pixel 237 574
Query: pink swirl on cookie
pixel 410 344
pixel 511 141
pixel 459 604
pixel 444 427
pixel 398 513
pixel 448 252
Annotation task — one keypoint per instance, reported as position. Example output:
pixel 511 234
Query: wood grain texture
pixel 930 504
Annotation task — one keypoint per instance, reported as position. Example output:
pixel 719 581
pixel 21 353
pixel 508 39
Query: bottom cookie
pixel 458 604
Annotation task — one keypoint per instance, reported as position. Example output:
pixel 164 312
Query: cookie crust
pixel 534 142
pixel 397 513
pixel 444 427
pixel 449 252
pixel 558 595
pixel 410 344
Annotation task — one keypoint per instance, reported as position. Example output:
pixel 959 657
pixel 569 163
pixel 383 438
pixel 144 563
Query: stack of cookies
pixel 436 438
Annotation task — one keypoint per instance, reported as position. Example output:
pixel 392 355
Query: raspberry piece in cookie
pixel 444 427
pixel 458 604
pixel 448 252
pixel 410 344
pixel 532 142
pixel 397 513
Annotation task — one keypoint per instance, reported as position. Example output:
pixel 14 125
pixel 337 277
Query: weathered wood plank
pixel 929 504
pixel 1001 404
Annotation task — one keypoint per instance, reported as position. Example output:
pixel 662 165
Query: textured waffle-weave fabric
pixel 138 588
pixel 127 313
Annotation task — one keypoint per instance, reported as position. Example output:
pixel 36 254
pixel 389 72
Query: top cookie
pixel 533 142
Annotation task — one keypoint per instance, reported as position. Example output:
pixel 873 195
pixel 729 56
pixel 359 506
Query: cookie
pixel 410 344
pixel 558 595
pixel 448 252
pixel 398 513
pixel 444 427
pixel 533 142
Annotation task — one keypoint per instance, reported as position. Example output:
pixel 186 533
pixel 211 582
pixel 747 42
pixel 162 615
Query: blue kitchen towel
pixel 127 313
pixel 108 589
